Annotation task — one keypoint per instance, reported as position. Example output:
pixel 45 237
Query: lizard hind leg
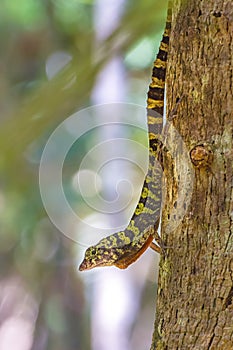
pixel 155 247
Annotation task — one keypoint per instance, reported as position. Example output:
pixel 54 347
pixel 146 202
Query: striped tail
pixel 155 101
pixel 123 248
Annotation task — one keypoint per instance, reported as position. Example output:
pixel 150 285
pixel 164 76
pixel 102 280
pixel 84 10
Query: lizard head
pixel 112 250
pixel 97 256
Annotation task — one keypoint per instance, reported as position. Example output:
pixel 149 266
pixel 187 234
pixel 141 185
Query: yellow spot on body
pixel 154 120
pixel 164 46
pixel 110 241
pixel 152 136
pixel 156 82
pixel 127 240
pixel 139 208
pixel 113 240
pixel 167 32
pixel 149 179
pixel 153 153
pixel 133 228
pixel 124 238
pixel 145 192
pixel 154 103
pixel 160 64
pixel 151 166
pixel 149 211
pixel 105 242
pixel 153 196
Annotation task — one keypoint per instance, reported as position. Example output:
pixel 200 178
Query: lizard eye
pixel 94 251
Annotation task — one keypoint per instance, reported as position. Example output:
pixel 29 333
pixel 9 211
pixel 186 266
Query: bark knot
pixel 201 155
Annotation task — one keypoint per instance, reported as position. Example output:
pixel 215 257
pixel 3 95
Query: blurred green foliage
pixel 31 107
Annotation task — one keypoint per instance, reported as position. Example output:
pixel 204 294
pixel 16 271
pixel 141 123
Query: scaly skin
pixel 123 248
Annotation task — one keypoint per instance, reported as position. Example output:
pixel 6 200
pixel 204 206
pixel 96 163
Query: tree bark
pixel 195 288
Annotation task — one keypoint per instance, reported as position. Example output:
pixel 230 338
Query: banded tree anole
pixel 123 248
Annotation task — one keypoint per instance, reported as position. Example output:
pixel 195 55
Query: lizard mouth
pixel 82 266
pixel 87 266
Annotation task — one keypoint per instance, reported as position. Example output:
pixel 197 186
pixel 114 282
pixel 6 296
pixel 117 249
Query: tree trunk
pixel 195 287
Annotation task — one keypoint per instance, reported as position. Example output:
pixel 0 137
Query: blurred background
pixel 58 57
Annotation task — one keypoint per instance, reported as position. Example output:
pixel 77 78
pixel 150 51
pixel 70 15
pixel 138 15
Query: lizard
pixel 122 248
